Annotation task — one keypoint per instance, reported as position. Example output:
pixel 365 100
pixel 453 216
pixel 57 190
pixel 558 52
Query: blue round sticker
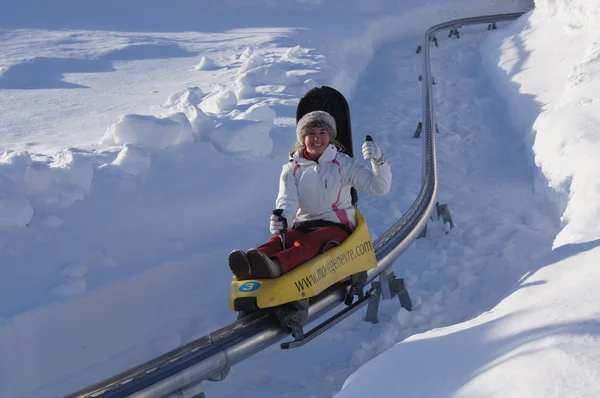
pixel 249 287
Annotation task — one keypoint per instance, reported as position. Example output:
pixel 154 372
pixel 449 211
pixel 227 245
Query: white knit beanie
pixel 315 119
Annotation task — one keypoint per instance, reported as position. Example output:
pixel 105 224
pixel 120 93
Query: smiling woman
pixel 315 206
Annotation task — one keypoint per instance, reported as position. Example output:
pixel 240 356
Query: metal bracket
pixel 418 131
pixel 444 214
pixel 386 288
pixel 220 376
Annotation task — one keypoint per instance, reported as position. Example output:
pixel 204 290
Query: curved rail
pixel 210 357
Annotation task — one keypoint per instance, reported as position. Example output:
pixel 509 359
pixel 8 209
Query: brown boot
pixel 261 266
pixel 239 264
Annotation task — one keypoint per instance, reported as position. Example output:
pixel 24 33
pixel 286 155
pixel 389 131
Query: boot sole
pixel 239 265
pixel 260 267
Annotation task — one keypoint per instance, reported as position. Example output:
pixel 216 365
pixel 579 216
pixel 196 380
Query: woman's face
pixel 316 141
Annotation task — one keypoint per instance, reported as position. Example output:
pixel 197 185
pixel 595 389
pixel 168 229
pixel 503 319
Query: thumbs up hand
pixel 371 150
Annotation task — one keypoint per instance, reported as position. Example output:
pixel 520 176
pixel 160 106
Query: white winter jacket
pixel 320 190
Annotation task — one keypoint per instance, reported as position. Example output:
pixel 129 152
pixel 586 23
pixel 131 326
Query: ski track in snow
pixel 451 278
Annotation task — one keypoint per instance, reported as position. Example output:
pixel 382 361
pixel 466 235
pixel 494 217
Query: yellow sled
pixel 354 255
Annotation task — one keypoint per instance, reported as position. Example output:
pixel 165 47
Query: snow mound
pixel 27 186
pixel 293 52
pixel 149 131
pixel 206 63
pixel 247 53
pixel 222 100
pixel 200 122
pixel 248 138
pixel 132 160
pixel 253 61
pixel 186 101
pixel 189 95
pixel 72 169
pixel 258 112
pixel 243 91
pixel 267 74
pixel 16 158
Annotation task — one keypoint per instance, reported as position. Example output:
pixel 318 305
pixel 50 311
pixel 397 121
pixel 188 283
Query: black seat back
pixel 330 100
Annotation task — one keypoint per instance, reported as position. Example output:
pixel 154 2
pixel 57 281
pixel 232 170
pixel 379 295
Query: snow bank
pixel 556 108
pixel 15 211
pixel 28 187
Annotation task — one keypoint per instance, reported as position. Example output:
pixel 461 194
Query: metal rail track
pixel 181 371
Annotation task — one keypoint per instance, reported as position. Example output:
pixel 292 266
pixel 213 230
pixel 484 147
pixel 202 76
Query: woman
pixel 314 193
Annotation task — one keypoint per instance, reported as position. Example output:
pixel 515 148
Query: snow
pixel 206 63
pixel 150 131
pixel 143 141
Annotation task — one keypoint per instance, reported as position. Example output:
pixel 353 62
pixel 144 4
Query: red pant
pixel 302 246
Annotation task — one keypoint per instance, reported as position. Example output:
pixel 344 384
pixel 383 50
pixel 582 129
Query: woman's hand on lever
pixel 278 222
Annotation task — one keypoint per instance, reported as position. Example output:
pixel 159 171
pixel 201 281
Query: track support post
pixel 373 306
pixel 454 32
pixel 390 286
pixel 434 40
